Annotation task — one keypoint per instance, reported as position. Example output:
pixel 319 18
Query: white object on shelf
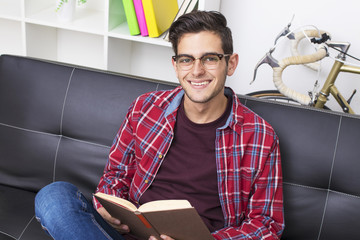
pixel 65 11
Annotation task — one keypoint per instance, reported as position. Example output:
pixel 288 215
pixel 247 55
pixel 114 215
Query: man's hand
pixel 122 228
pixel 114 222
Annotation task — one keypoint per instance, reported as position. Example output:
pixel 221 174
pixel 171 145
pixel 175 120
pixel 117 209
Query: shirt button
pixel 160 156
pixel 146 181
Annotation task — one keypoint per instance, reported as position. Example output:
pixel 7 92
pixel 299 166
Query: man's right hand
pixel 114 222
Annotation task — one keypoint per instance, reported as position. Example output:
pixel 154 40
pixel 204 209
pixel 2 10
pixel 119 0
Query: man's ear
pixel 232 64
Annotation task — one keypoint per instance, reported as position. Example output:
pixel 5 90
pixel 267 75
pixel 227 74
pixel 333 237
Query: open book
pixel 175 218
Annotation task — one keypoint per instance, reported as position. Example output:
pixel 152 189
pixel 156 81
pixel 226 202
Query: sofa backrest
pixel 57 122
pixel 320 153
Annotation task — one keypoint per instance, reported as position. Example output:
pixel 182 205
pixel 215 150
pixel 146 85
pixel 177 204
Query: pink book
pixel 141 17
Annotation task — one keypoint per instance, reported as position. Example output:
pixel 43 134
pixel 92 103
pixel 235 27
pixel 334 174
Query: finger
pixel 106 215
pixel 114 222
pixel 164 237
pixel 122 228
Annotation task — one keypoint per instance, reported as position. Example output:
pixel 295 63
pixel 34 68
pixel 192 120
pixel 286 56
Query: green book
pixel 131 17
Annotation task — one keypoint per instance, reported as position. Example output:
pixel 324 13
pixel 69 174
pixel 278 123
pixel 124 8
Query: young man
pixel 195 142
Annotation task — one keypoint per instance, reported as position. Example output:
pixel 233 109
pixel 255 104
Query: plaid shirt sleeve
pixel 251 180
pixel 138 147
pixel 263 217
pixel 121 166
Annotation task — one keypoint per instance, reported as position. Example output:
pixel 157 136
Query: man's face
pixel 202 85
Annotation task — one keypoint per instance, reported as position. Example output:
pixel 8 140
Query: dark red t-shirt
pixel 189 169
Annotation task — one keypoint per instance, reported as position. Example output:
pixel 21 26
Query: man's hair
pixel 198 21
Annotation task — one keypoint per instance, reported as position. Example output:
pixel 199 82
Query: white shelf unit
pixel 98 37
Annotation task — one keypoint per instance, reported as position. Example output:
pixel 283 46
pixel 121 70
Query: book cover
pixel 139 10
pixel 192 6
pixel 131 17
pixel 159 15
pixel 175 218
pixel 185 7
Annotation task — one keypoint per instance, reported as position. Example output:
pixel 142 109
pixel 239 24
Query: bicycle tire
pixel 275 95
pixel 272 95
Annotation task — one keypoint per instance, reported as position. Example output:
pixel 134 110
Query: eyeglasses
pixel 209 61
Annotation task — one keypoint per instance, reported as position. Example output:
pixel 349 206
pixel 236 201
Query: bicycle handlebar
pixel 295 60
pixel 296 40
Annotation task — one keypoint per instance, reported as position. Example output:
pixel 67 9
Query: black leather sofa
pixel 57 123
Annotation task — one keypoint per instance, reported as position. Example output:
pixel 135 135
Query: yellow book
pixel 159 15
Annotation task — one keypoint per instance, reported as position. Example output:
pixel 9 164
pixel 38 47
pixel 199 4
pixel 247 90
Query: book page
pixel 119 201
pixel 162 205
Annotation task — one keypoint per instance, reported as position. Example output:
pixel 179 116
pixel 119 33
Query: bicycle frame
pixel 330 88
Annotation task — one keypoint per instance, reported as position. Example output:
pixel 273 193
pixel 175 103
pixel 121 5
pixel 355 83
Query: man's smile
pixel 199 83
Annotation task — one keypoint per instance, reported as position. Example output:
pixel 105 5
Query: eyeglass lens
pixel 209 61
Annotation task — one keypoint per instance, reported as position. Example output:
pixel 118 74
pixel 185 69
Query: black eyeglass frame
pixel 219 55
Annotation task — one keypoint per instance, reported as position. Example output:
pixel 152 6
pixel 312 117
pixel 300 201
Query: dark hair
pixel 198 21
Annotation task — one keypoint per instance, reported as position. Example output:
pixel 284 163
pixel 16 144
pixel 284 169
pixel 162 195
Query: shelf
pixel 65 46
pixel 80 48
pixel 122 31
pixel 135 58
pixel 98 37
pixel 11 37
pixel 86 20
pixel 10 9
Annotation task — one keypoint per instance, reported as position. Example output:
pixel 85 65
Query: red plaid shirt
pixel 247 158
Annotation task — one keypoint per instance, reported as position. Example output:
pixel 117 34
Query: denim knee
pixel 48 200
pixel 64 213
pixel 51 193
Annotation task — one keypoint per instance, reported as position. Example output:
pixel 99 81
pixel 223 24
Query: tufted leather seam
pixel 61 123
pixel 321 189
pixel 64 103
pixel 6 234
pixel 55 158
pixel 54 135
pixel 330 177
pixel 27 225
pixel 304 186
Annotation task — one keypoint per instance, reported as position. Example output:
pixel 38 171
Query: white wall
pixel 255 23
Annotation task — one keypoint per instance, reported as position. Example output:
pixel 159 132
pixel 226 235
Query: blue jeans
pixel 65 213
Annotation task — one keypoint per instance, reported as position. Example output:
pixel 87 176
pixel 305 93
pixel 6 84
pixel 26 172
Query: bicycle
pixel 315 99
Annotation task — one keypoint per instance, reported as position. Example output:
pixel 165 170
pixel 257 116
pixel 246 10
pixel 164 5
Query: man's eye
pixel 211 58
pixel 185 60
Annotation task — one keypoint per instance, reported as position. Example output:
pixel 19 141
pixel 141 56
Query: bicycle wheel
pixel 273 95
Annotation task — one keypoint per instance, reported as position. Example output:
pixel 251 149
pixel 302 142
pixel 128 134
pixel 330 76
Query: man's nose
pixel 198 67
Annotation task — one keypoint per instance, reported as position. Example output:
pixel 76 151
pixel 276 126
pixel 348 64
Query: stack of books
pixel 153 17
